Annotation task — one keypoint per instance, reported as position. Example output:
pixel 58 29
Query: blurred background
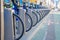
pixel 29 19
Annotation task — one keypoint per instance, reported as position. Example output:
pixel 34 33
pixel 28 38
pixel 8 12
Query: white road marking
pixel 45 35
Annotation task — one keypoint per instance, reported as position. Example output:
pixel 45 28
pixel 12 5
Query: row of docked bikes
pixel 19 19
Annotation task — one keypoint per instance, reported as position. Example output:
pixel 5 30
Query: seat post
pixel 0 24
pixel 1 21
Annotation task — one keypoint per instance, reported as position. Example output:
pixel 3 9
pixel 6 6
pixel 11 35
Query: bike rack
pixel 18 21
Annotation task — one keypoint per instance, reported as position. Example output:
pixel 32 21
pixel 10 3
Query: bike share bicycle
pixel 10 25
pixel 28 19
pixel 35 10
pixel 32 14
pixel 28 22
